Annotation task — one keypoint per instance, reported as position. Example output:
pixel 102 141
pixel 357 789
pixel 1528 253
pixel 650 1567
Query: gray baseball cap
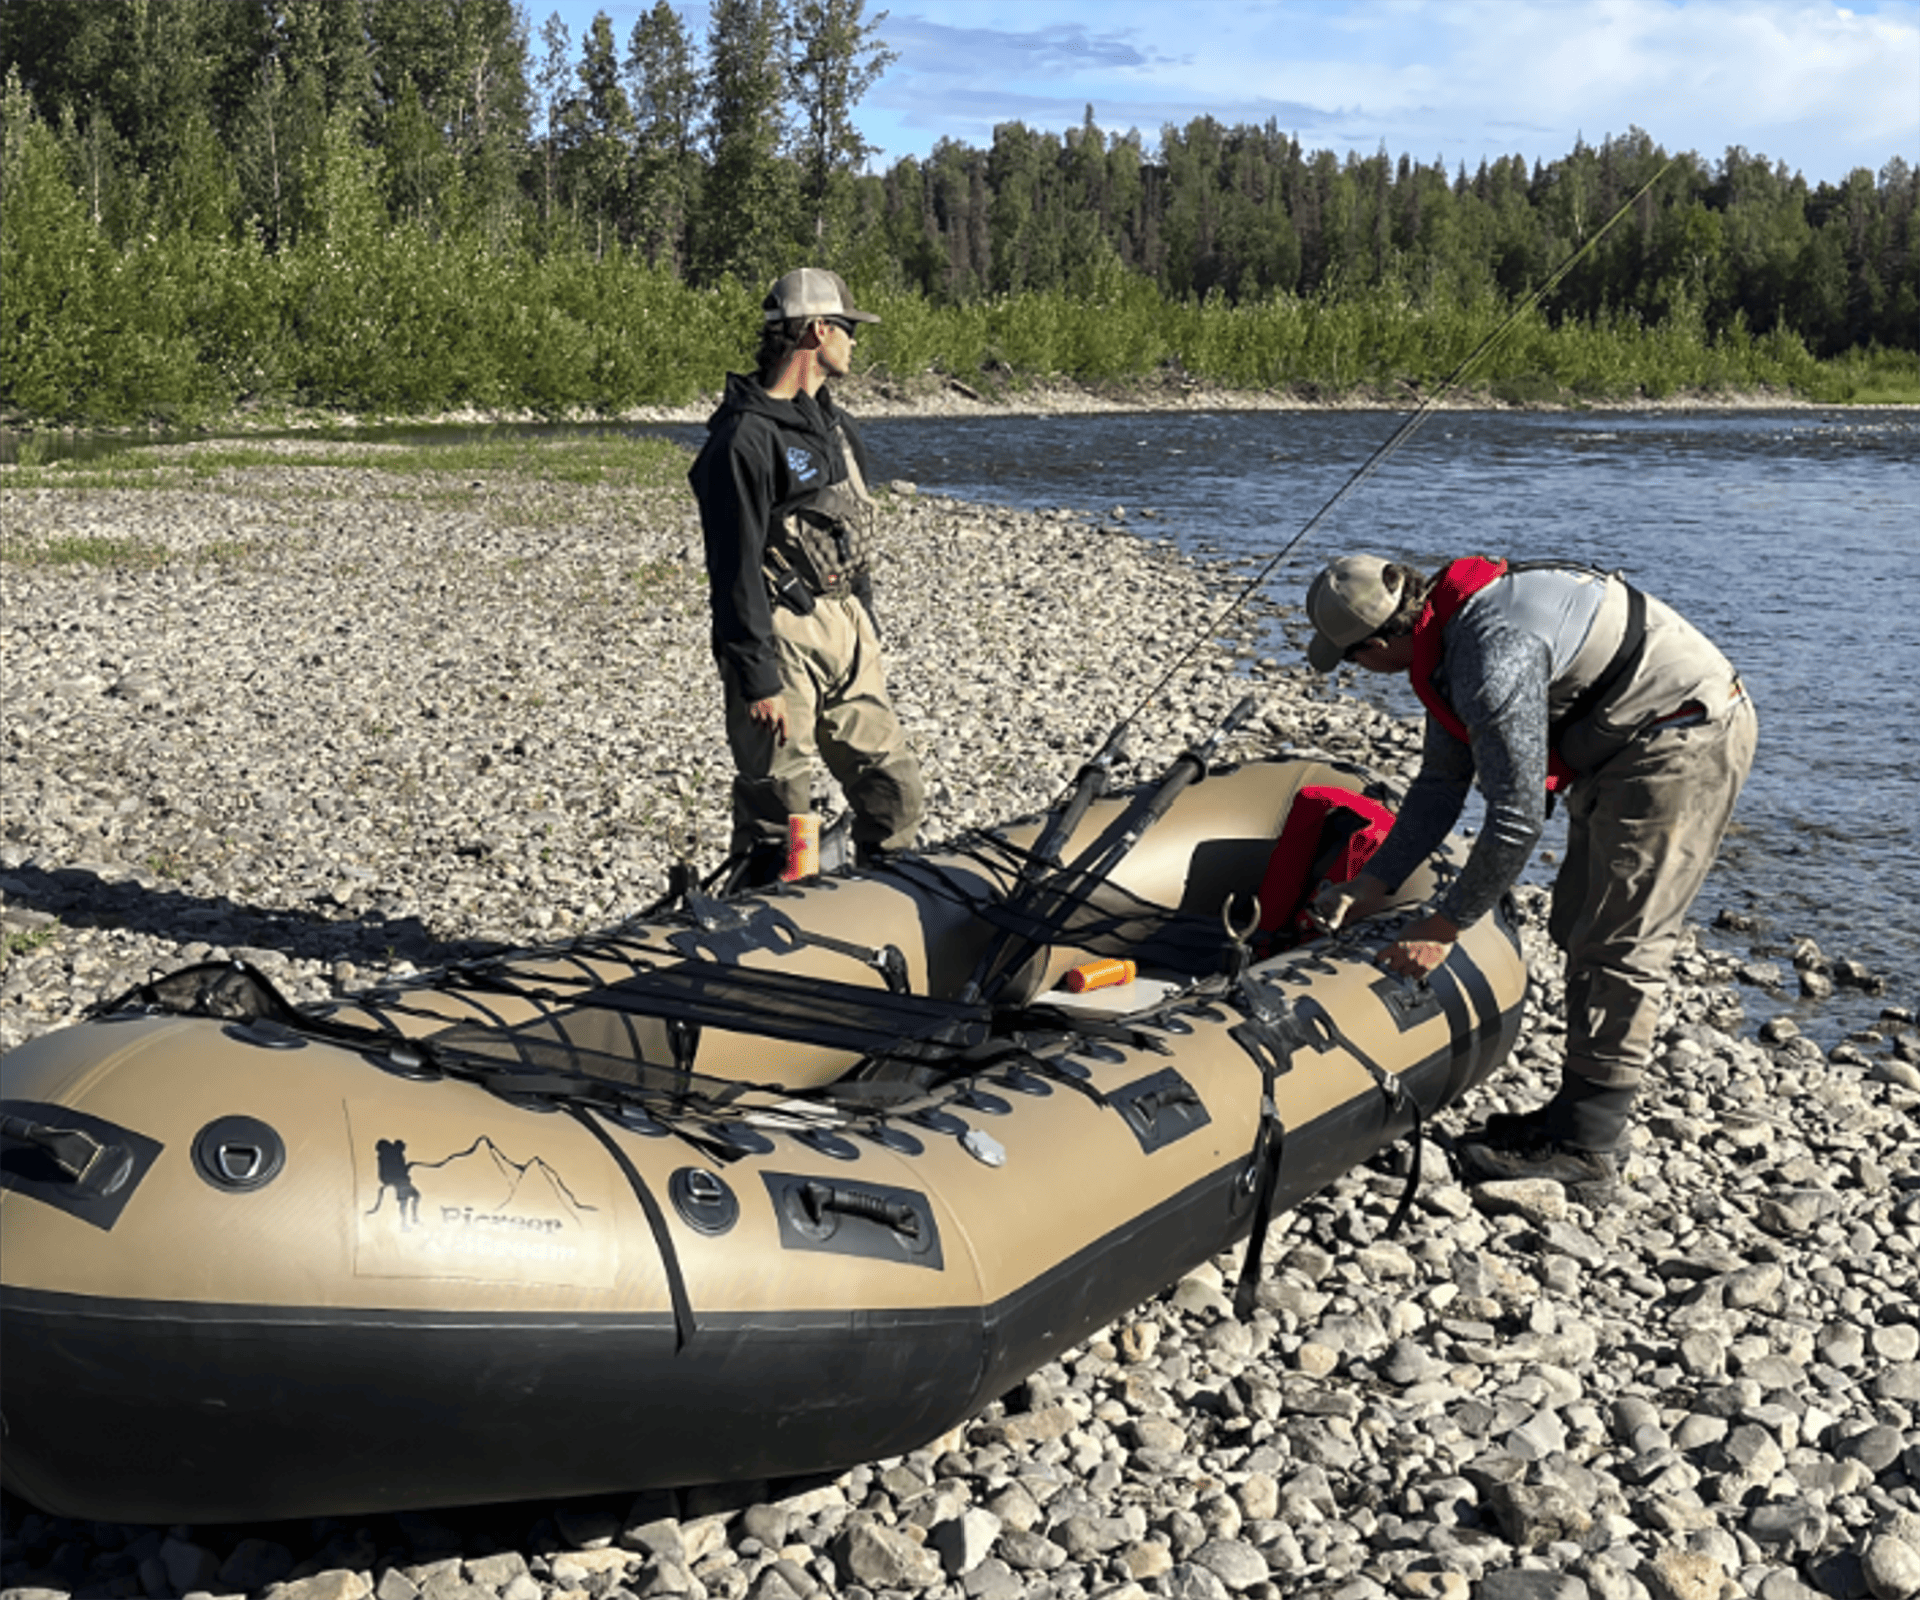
pixel 812 292
pixel 1349 601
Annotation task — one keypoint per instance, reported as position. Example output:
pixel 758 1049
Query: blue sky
pixel 1820 86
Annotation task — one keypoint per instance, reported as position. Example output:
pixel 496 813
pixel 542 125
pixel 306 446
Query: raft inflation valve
pixel 704 1201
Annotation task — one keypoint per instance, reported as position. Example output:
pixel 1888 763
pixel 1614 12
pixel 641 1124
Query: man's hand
pixel 771 713
pixel 1421 947
pixel 1338 905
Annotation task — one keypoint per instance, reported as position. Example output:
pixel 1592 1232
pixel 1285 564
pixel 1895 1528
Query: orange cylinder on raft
pixel 1100 975
pixel 803 847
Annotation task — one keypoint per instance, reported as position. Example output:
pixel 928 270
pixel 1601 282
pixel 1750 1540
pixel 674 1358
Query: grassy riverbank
pixel 28 451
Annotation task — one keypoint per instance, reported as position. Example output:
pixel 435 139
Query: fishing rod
pixel 1043 875
pixel 1381 454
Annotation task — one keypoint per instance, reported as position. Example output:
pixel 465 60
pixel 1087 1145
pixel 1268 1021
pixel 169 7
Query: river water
pixel 1791 537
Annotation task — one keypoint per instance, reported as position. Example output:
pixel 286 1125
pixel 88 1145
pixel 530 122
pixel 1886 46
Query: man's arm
pixel 735 492
pixel 1501 678
pixel 1497 684
pixel 1432 806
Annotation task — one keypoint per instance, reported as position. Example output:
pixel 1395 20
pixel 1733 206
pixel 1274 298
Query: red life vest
pixel 1329 836
pixel 1459 582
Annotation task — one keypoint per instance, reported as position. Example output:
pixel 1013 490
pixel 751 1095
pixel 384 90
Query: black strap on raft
pixel 1396 1096
pixel 1270 1035
pixel 684 1327
pixel 886 959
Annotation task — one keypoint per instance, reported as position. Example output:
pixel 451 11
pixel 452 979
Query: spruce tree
pixel 745 221
pixel 666 96
pixel 837 58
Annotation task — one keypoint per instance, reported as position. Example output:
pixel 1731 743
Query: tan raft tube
pixel 336 1280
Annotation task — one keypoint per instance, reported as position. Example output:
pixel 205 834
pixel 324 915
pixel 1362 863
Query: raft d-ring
pixel 1240 935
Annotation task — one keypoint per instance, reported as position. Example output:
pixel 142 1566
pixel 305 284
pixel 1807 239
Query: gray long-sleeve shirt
pixel 1500 657
pixel 1513 659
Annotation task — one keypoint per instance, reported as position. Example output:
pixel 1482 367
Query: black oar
pixel 1069 887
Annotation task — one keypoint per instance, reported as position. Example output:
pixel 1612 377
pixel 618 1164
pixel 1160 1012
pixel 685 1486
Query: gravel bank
pixel 353 723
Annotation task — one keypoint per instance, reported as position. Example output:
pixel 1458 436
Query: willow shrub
pixel 363 315
pixel 86 329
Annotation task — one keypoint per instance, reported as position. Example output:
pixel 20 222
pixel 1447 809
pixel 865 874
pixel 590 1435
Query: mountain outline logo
pixel 435 1202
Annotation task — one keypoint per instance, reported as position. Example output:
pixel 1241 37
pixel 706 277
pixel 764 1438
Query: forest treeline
pixel 415 204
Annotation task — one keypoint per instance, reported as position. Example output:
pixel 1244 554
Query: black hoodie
pixel 763 457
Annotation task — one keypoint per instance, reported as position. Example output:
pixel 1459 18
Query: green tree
pixel 451 81
pixel 602 149
pixel 315 61
pixel 746 214
pixel 912 229
pixel 553 78
pixel 101 168
pixel 267 145
pixel 51 288
pixel 837 57
pixel 418 172
pixel 159 70
pixel 957 218
pixel 666 95
pixel 1027 213
pixel 196 194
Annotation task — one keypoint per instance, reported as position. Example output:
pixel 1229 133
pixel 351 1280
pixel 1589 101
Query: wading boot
pixel 1590 1176
pixel 1577 1139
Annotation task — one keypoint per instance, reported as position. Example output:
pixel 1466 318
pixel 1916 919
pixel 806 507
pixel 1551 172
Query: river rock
pixel 501 726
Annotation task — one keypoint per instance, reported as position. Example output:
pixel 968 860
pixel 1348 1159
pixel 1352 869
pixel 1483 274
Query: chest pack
pixel 823 541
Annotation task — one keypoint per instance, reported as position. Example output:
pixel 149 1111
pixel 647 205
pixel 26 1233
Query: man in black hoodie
pixel 789 529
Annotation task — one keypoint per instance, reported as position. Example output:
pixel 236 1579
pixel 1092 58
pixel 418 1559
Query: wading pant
pixel 1642 832
pixel 837 707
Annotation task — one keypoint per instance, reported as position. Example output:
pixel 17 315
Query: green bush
pixel 356 313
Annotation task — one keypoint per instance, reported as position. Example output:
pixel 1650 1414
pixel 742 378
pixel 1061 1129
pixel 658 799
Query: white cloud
pixel 1821 86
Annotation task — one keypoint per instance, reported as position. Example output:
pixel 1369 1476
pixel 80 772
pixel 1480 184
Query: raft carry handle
pixel 90 1166
pixel 821 1198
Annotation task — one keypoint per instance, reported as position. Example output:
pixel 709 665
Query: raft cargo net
pixel 901 1047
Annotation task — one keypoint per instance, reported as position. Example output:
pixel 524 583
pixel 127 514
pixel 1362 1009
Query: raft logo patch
pixel 801 464
pixel 430 1206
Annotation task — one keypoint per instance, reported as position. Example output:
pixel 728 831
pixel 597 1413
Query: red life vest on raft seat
pixel 1329 835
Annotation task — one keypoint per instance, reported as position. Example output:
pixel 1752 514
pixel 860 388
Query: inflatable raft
pixel 760 1186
